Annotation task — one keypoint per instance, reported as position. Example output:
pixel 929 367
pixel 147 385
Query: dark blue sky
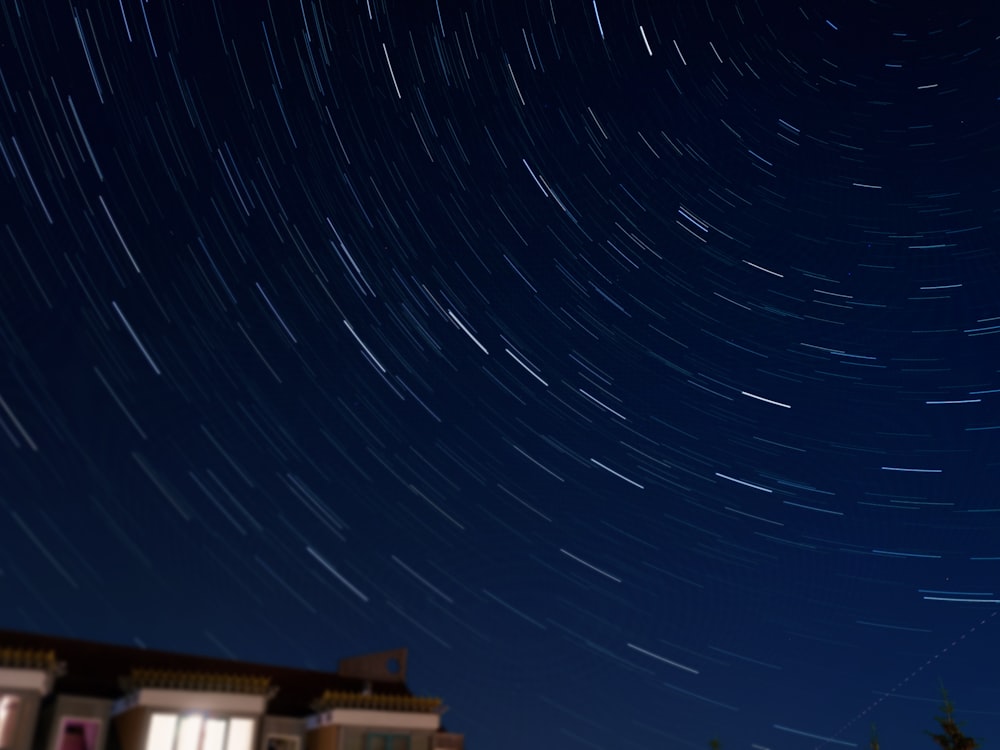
pixel 632 365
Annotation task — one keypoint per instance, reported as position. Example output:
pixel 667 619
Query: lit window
pixel 189 733
pixel 8 719
pixel 215 734
pixel 195 732
pixel 162 728
pixel 240 735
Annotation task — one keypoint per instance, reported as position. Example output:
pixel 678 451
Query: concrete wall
pixel 324 738
pixel 282 727
pixel 27 718
pixel 129 729
pixel 65 708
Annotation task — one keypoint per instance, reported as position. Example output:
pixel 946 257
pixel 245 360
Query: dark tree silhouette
pixel 951 736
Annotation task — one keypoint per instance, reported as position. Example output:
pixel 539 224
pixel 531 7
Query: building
pixel 64 694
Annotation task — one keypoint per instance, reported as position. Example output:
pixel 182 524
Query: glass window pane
pixel 8 719
pixel 189 733
pixel 215 734
pixel 240 735
pixel 161 732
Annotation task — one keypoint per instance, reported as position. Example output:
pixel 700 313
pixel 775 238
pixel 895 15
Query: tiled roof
pixel 206 681
pixel 339 699
pixel 26 658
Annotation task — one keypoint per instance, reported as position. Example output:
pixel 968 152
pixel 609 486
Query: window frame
pixel 205 717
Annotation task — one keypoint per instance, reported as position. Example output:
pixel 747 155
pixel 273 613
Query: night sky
pixel 631 363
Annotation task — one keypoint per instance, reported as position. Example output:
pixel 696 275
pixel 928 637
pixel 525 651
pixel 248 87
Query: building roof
pixel 27 658
pixel 411 703
pixel 108 671
pixel 173 679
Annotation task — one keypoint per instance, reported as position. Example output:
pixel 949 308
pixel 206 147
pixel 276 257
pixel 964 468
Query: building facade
pixel 64 694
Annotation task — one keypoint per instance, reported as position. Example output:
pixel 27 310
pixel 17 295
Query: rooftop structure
pixel 65 694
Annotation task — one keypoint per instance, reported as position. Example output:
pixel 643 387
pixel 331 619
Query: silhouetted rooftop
pixel 97 669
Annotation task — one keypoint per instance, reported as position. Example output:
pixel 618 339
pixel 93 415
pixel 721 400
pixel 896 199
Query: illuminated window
pixel 387 742
pixel 9 705
pixel 162 728
pixel 197 732
pixel 215 734
pixel 240 734
pixel 189 733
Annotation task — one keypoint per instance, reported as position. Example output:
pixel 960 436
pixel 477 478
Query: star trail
pixel 630 363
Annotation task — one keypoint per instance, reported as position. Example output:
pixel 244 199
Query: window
pixel 9 704
pixel 281 742
pixel 387 742
pixel 78 734
pixel 197 732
